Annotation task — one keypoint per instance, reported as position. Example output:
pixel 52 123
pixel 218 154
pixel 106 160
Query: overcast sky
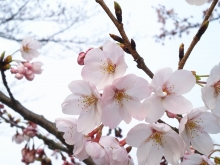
pixel 50 88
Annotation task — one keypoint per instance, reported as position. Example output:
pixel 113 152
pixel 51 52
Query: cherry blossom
pixel 29 48
pixel 196 159
pixel 153 141
pixel 28 70
pixel 18 138
pixel 102 67
pixel 81 56
pixel 168 87
pixel 72 136
pixel 196 2
pixel 121 100
pixel 114 153
pixel 210 93
pixel 85 101
pixel 193 129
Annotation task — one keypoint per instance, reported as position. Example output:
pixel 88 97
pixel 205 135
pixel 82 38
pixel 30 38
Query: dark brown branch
pixel 50 143
pixel 196 37
pixel 134 53
pixel 39 120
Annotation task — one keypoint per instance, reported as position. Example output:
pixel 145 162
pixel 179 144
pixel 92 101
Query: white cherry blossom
pixel 168 87
pixel 196 159
pixel 85 101
pixel 211 92
pixel 102 67
pixel 194 128
pixel 153 141
pixel 196 2
pixel 72 136
pixel 121 100
pixel 29 48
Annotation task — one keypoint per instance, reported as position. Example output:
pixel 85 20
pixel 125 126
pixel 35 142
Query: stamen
pixel 120 96
pixel 109 67
pixel 87 101
pixel 217 87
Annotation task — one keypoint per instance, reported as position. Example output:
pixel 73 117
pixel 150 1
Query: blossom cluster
pixel 106 96
pixel 26 68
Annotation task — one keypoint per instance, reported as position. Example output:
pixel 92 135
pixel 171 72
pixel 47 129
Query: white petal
pixel 177 104
pixel 216 110
pixel 80 87
pixel 153 107
pixel 182 81
pixel 94 150
pixel 161 76
pixel 209 96
pixel 70 105
pixel 196 2
pixel 149 153
pixel 201 141
pixel 111 116
pixel 125 114
pixel 138 134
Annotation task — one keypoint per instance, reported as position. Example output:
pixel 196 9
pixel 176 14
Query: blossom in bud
pixel 18 138
pixel 30 131
pixel 196 159
pixel 28 156
pixel 121 100
pixel 102 67
pixel 153 141
pixel 84 101
pixel 168 88
pixel 81 57
pixel 211 92
pixel 193 129
pixel 72 136
pixel 29 48
pixel 196 2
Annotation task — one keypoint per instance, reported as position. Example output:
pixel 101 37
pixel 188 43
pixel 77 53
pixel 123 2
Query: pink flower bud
pixel 81 57
pixel 171 115
pixel 18 138
pixel 30 131
pixel 19 76
pixel 36 67
pixel 27 65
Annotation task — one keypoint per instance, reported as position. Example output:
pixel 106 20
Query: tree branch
pixel 134 53
pixel 196 37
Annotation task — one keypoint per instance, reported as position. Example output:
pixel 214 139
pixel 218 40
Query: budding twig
pixel 134 53
pixel 197 37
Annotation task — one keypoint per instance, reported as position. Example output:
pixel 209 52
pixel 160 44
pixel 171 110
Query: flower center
pixel 203 163
pixel 26 48
pixel 217 87
pixel 192 126
pixel 109 67
pixel 167 90
pixel 157 138
pixel 120 96
pixel 87 101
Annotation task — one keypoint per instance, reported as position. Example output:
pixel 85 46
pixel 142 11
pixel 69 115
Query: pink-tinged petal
pixel 184 135
pixel 81 87
pixel 214 75
pixel 108 95
pixel 192 159
pixel 36 67
pixel 201 141
pixel 195 113
pixel 81 155
pixel 138 134
pixel 208 122
pixel 209 96
pixel 133 107
pixel 63 123
pixel 88 120
pixel 125 83
pixel 182 81
pixel 113 51
pixel 120 154
pixel 177 104
pixel 140 85
pixel 153 108
pixel 121 67
pixel 125 114
pixel 111 116
pixel 182 124
pixel 147 153
pixel 94 150
pixel 173 147
pixel 216 110
pixel 161 76
pixel 70 105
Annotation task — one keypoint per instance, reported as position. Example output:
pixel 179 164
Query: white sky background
pixel 50 88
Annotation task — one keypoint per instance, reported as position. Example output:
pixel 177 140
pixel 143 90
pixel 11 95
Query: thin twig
pixel 134 53
pixel 196 38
